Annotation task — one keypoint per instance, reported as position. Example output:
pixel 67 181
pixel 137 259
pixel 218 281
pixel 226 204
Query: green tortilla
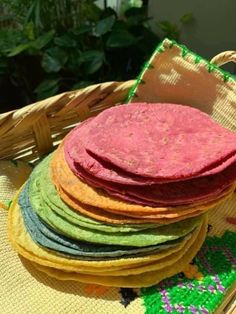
pixel 49 239
pixel 50 198
pixel 141 238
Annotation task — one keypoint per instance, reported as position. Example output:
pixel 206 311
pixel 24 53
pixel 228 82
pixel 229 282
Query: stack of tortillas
pixel 123 201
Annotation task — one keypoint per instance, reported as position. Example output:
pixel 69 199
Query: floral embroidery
pixel 202 285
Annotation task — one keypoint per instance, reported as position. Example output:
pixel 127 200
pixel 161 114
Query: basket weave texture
pixel 34 130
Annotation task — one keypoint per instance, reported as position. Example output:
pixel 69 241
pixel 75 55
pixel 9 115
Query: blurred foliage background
pixel 47 46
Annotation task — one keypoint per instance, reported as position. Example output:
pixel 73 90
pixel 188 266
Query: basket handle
pixel 224 57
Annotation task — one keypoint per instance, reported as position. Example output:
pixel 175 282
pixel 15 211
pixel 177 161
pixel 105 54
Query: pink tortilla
pixel 169 194
pixel 74 149
pixel 172 194
pixel 161 141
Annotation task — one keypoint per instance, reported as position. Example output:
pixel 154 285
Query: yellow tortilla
pixel 24 245
pixel 133 281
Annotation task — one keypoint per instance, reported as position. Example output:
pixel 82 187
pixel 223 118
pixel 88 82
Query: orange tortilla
pixel 97 204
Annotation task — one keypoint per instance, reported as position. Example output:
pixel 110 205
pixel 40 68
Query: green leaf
pixel 119 26
pixel 73 64
pixel 18 49
pixel 54 59
pixel 9 39
pixel 136 17
pixel 171 30
pixel 37 44
pixel 165 26
pixel 29 30
pixel 92 60
pixel 120 38
pixel 188 17
pixel 91 10
pixel 82 30
pixel 47 88
pixel 135 12
pixel 126 5
pixel 81 84
pixel 108 12
pixel 104 25
pixel 43 40
pixel 65 41
pixel 34 13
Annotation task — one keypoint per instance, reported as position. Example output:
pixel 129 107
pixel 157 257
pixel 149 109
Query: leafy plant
pixel 173 30
pixel 67 44
pixel 53 46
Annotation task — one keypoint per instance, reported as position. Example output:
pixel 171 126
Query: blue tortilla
pixel 48 238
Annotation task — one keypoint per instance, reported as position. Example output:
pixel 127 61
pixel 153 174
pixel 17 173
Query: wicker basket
pixel 34 130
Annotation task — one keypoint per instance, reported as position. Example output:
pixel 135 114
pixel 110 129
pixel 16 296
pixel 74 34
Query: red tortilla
pixel 203 189
pixel 161 141
pixel 75 151
pixel 170 194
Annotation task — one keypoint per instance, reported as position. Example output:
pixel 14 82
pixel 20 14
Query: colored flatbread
pixel 75 150
pixel 72 188
pixel 50 239
pixel 197 191
pixel 169 194
pixel 150 140
pixel 142 280
pixel 23 243
pixel 109 216
pixel 50 198
pixel 141 238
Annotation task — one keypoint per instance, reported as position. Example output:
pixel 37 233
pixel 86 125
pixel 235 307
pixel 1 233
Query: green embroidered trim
pixel 147 66
pixel 211 68
pixel 226 77
pixel 150 66
pixel 217 262
pixel 185 50
pixel 168 44
pixel 197 59
pixel 8 203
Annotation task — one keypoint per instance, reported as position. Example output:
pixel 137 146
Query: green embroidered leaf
pixel 210 68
